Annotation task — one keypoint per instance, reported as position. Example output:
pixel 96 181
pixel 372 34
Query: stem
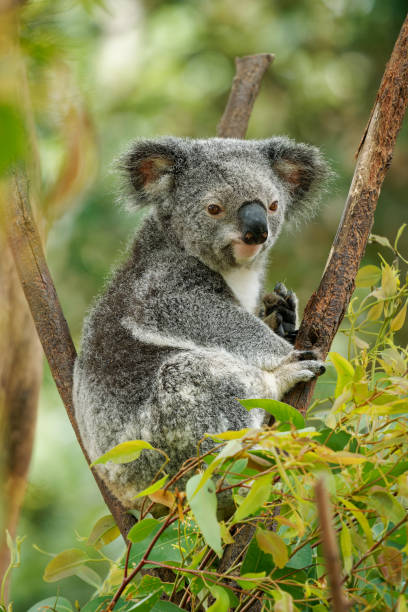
pixel 127 579
pixel 330 549
pixel 374 547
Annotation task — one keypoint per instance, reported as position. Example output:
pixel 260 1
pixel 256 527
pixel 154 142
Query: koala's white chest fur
pixel 245 283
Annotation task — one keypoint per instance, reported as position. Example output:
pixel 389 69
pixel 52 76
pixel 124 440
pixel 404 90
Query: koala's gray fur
pixel 175 339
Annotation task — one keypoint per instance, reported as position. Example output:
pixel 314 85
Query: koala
pixel 176 337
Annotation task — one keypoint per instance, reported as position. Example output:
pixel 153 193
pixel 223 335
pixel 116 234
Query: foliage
pixel 142 68
pixel 358 445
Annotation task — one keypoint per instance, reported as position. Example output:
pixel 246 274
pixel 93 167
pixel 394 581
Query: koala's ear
pixel 150 168
pixel 303 172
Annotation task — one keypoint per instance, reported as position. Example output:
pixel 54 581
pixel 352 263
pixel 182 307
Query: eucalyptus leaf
pixel 203 504
pixel 64 564
pixel 284 413
pixel 142 530
pixel 55 603
pixel 124 452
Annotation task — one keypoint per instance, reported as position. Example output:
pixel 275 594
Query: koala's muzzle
pixel 253 221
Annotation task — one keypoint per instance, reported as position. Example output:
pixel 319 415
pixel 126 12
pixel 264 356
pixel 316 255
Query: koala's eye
pixel 273 206
pixel 214 209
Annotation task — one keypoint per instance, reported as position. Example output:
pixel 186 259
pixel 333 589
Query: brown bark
pixel 49 320
pixel 20 379
pixel 330 548
pixel 327 306
pixel 20 349
pixel 245 87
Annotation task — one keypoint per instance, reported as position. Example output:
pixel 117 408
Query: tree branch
pixel 330 548
pixel 245 87
pixel 52 328
pixel 327 306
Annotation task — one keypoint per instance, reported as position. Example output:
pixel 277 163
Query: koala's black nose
pixel 254 225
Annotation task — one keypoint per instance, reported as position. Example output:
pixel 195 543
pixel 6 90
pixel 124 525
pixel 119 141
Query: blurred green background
pixel 142 68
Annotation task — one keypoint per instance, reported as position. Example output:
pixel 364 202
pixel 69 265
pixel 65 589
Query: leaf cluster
pixel 358 445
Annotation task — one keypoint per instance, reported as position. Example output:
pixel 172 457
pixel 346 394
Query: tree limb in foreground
pixel 330 548
pixel 327 306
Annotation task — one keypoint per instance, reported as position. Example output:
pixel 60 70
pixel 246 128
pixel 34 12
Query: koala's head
pixel 224 201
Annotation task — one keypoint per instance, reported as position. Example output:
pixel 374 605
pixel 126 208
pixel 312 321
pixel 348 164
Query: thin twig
pixel 330 548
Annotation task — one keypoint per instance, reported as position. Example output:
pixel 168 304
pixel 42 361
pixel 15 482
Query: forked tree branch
pixel 327 306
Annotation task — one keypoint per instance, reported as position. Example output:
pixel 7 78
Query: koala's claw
pixel 281 312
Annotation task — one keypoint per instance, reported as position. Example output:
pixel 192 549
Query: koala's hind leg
pixel 298 366
pixel 196 393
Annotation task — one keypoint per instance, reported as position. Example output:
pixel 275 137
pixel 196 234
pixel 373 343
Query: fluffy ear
pixel 303 171
pixel 150 168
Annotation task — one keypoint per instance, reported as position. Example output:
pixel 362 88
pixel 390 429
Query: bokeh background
pixel 102 73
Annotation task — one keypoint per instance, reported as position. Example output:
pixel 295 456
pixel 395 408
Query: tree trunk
pixel 20 349
pixel 20 380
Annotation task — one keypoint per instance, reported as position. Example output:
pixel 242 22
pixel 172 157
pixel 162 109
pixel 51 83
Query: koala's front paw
pixel 281 312
pixel 299 366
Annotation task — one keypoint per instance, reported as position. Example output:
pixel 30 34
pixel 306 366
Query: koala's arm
pixel 197 318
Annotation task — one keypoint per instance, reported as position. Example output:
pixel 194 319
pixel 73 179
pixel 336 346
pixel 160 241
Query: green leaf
pixel 256 561
pixel 359 516
pixel 344 369
pixel 284 601
pixel 336 440
pixel 272 544
pixel 367 276
pixel 346 548
pixel 302 558
pixel 142 530
pixel 222 600
pixel 386 505
pixel 380 240
pixel 399 319
pixel 236 472
pixel 231 448
pixel 146 604
pixel 257 496
pixel 59 604
pixel 64 564
pixel 88 575
pixel 103 532
pixel 167 548
pixel 124 452
pixel 282 412
pixel 391 564
pixel 148 584
pixel 165 606
pixel 389 281
pixel 399 234
pixel 252 580
pixel 153 488
pixel 375 311
pixel 203 504
pixel 100 604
